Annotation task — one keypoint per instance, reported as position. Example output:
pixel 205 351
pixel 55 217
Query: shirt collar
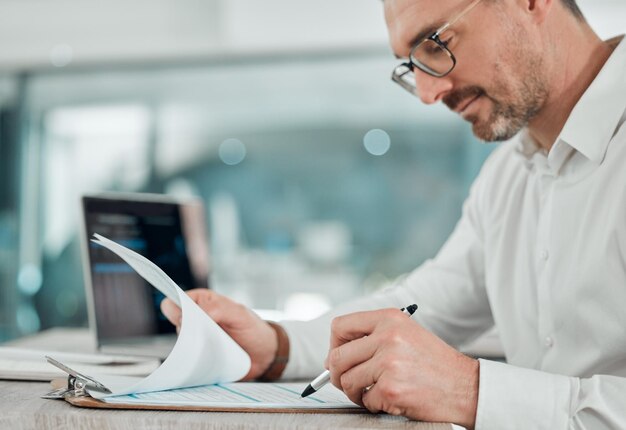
pixel 526 146
pixel 597 115
pixel 528 149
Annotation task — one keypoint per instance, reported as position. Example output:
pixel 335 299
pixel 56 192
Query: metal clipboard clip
pixel 77 383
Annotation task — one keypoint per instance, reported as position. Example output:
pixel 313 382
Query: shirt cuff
pixel 292 370
pixel 308 343
pixel 517 398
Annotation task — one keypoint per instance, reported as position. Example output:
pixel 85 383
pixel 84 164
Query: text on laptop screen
pixel 170 234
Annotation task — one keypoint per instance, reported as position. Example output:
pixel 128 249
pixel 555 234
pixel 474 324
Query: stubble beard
pixel 513 106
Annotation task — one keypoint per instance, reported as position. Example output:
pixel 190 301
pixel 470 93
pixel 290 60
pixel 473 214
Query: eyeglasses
pixel 430 55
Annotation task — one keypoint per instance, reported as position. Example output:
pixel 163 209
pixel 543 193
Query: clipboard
pixel 75 392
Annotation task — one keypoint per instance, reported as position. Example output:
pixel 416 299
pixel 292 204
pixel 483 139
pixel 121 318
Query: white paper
pixel 203 354
pixel 243 395
pixel 30 364
pixel 41 370
pixel 21 354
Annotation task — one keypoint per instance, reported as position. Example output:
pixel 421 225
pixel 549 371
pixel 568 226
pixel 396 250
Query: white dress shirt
pixel 540 251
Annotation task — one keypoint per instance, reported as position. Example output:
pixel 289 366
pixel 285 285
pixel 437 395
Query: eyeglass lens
pixel 432 58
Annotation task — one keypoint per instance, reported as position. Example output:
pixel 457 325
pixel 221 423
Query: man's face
pixel 498 84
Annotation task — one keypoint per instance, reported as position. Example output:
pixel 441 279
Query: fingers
pixel 370 399
pixel 384 396
pixel 214 304
pixel 355 359
pixel 205 298
pixel 347 356
pixel 171 311
pixel 356 325
pixel 358 380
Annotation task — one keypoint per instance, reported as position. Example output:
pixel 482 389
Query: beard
pixel 514 103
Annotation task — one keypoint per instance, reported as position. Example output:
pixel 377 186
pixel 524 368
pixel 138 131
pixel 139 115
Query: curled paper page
pixel 203 354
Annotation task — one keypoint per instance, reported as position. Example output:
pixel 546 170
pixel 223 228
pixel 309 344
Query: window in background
pixel 101 147
pixel 321 179
pixel 9 153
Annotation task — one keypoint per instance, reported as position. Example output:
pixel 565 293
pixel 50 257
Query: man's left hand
pixel 385 361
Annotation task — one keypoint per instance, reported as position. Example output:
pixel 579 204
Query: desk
pixel 21 408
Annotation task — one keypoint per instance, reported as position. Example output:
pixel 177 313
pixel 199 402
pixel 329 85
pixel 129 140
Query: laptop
pixel 124 310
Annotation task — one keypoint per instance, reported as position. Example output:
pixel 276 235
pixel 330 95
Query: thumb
pixel 171 311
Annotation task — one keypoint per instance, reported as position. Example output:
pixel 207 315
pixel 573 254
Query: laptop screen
pixel 170 233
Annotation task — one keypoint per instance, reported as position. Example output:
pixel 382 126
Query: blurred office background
pixel 322 179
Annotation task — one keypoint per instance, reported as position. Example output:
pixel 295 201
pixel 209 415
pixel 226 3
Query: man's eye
pixel 435 49
pixel 446 42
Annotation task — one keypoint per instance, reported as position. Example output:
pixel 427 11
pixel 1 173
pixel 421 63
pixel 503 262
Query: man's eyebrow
pixel 421 35
pixel 425 33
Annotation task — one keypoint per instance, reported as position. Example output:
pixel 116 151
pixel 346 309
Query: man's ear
pixel 537 10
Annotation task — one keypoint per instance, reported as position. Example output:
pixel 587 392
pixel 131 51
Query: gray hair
pixel 573 7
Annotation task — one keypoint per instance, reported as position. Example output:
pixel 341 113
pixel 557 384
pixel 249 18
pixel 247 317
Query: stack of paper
pixel 242 395
pixel 203 354
pixel 201 368
pixel 30 364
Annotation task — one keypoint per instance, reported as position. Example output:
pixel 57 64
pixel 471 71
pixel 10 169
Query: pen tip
pixel 307 391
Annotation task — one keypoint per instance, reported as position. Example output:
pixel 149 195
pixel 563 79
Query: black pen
pixel 324 377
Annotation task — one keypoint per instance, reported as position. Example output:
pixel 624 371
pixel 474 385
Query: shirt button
pixel 549 342
pixel 544 255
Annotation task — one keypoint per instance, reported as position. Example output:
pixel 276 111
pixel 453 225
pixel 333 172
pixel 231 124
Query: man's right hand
pixel 253 334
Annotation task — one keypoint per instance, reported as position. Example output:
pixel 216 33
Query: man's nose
pixel 431 89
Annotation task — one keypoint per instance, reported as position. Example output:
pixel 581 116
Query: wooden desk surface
pixel 22 408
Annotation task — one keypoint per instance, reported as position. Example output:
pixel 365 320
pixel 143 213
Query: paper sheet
pixel 243 395
pixel 203 354
pixel 21 354
pixel 40 370
pixel 30 364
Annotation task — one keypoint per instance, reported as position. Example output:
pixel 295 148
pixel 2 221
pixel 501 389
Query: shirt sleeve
pixel 517 398
pixel 449 291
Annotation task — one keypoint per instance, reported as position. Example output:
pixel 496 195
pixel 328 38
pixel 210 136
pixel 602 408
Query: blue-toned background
pixel 322 179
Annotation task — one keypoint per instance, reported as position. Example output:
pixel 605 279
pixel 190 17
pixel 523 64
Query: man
pixel 540 250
